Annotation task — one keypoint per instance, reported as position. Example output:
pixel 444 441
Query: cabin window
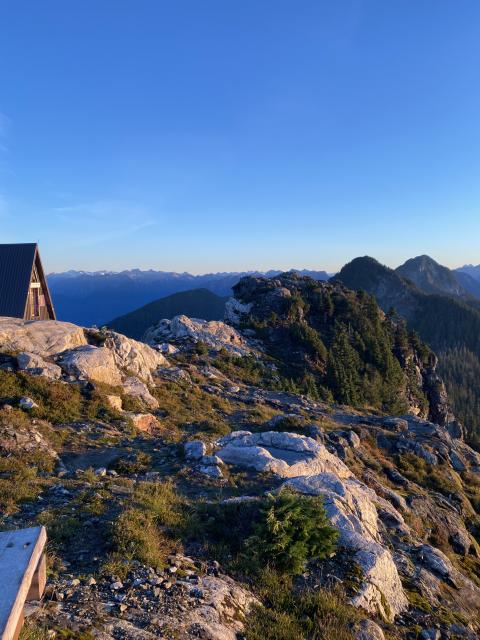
pixel 36 303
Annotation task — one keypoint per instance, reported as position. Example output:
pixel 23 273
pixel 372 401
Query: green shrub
pixel 290 530
pixel 282 532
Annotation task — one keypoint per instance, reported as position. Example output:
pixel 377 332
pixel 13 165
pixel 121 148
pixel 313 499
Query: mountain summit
pixel 431 277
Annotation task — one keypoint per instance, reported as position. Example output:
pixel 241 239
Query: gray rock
pixel 215 334
pixel 351 508
pixel 91 363
pixel 286 454
pixel 458 463
pixel 138 389
pixel 211 460
pixel 211 471
pixel 194 450
pixel 42 337
pixel 35 365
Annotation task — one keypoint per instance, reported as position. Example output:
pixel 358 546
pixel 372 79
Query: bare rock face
pixel 351 508
pixel 41 337
pixel 91 363
pixel 215 334
pixel 138 389
pixel 286 454
pixel 85 353
pixel 135 357
pixel 235 310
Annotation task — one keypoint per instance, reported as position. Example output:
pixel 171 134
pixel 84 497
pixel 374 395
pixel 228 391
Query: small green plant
pixel 281 531
pixel 290 530
pixel 137 462
pixel 150 526
pixel 33 631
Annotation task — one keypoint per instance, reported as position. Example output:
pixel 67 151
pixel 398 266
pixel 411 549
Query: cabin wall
pixel 38 306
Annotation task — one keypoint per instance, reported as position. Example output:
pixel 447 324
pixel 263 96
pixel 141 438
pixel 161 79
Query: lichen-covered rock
pixel 286 454
pixel 215 334
pixel 42 337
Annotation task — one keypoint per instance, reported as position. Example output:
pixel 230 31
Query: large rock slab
pixel 42 337
pixel 91 363
pixel 286 454
pixel 351 508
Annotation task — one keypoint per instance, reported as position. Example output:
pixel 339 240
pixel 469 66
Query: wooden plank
pixel 39 580
pixel 20 558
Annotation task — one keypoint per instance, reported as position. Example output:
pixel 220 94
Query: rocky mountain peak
pixel 431 277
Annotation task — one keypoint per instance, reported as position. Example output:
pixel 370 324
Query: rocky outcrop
pixel 235 310
pixel 286 454
pixel 351 508
pixel 91 363
pixel 42 337
pixel 134 357
pixel 214 334
pixel 87 354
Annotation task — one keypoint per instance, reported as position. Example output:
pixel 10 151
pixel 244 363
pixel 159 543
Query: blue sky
pixel 239 134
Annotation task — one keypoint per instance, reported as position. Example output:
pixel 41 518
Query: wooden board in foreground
pixel 21 567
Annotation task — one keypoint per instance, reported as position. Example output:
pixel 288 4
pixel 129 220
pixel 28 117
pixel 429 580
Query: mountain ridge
pixel 89 298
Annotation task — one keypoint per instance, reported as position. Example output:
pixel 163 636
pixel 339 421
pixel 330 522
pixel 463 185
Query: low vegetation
pixel 149 528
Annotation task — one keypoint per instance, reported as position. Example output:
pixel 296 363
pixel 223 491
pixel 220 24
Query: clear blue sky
pixel 209 135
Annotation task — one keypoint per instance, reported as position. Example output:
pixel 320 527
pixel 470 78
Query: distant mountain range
pixel 88 298
pixel 196 303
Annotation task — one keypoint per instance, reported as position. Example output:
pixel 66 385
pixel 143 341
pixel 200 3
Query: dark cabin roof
pixel 16 262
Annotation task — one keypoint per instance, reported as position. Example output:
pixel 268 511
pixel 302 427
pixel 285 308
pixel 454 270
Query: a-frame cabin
pixel 23 287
